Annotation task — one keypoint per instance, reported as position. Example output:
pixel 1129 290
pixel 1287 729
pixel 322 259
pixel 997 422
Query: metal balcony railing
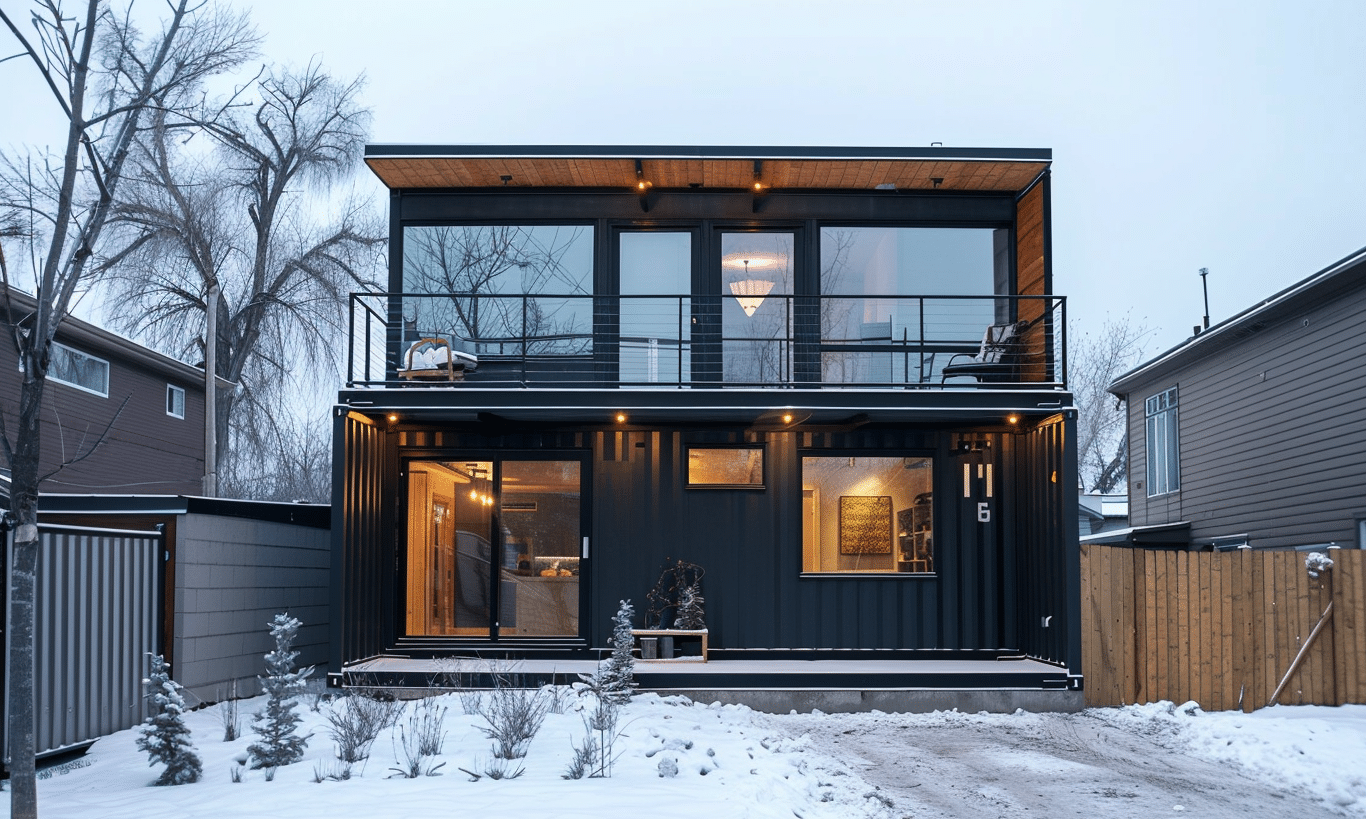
pixel 880 342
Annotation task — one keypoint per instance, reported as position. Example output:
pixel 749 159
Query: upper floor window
pixel 78 369
pixel 1164 461
pixel 501 284
pixel 175 401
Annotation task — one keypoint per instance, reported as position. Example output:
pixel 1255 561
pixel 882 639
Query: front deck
pixel 896 682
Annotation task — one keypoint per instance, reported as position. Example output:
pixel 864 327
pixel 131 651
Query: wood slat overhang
pixel 999 171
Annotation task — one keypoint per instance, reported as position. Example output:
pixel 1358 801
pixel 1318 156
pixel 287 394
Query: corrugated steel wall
pixel 363 578
pixel 98 608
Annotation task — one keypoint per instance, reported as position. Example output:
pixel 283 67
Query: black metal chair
pixel 997 361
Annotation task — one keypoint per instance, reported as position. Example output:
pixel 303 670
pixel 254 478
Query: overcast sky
pixel 1226 135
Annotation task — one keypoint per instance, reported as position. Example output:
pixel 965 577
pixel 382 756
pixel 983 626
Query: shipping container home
pixel 1229 431
pixel 834 379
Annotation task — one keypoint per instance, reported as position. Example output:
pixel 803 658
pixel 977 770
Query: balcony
pixel 929 342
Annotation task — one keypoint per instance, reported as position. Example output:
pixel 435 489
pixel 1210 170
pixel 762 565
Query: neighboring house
pixel 1254 431
pixel 1101 514
pixel 124 418
pixel 769 362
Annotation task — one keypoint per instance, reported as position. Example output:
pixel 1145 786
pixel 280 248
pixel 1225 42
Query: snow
pixel 682 759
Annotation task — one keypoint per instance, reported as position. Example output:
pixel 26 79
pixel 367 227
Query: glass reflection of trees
pixel 482 273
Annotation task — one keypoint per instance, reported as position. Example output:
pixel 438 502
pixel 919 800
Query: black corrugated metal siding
pixel 364 583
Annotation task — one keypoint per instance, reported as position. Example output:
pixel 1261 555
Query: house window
pixel 1164 462
pixel 490 289
pixel 80 370
pixel 867 514
pixel 726 466
pixel 175 401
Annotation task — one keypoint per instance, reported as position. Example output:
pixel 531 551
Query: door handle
pixel 585 547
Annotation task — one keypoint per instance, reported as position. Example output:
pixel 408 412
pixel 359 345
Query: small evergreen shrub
pixel 164 735
pixel 614 681
pixel 276 725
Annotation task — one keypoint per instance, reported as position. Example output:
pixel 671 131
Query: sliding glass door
pixel 494 547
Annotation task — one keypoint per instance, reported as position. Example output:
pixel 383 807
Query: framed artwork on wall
pixel 865 525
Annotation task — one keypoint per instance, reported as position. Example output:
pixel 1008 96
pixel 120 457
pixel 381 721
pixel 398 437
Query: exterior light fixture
pixel 787 418
pixel 621 417
pixel 393 418
pixel 1013 419
pixel 750 290
pixel 642 187
pixel 507 177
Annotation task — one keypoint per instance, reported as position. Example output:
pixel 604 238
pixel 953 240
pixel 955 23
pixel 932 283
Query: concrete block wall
pixel 232 576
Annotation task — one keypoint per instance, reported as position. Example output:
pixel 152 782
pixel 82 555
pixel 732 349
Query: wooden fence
pixel 1221 628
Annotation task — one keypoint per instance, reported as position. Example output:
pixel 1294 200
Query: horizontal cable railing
pixel 907 342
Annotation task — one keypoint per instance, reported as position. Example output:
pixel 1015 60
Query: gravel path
pixel 947 765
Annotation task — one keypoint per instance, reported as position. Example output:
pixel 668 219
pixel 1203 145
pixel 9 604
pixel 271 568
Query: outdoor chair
pixel 432 359
pixel 997 361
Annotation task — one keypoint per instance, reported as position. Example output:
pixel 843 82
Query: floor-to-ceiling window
pixel 494 547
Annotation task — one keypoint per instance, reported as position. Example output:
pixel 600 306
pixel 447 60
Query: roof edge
pixel 1125 382
pixel 430 151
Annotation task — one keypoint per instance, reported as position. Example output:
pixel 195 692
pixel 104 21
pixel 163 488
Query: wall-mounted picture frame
pixel 865 525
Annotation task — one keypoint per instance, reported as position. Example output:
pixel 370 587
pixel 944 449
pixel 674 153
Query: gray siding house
pixel 1254 431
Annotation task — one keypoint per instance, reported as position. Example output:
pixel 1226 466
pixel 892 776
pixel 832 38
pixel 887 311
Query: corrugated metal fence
pixel 1221 628
pixel 98 613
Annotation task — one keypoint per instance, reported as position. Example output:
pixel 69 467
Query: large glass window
pixel 497 286
pixel 756 313
pixel 656 307
pixel 78 369
pixel 1164 457
pixel 867 514
pixel 881 273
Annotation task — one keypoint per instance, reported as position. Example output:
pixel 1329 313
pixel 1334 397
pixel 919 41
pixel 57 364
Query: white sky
pixel 1226 135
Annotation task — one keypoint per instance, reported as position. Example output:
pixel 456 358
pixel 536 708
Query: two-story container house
pixel 832 378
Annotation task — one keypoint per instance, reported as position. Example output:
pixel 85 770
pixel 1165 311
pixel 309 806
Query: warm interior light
pixel 750 292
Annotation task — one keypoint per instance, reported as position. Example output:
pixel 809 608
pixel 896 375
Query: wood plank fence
pixel 1221 628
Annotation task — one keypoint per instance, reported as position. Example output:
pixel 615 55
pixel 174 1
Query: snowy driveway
pixel 1139 761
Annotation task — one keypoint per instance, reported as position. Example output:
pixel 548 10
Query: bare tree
pixel 1096 361
pixel 104 76
pixel 244 215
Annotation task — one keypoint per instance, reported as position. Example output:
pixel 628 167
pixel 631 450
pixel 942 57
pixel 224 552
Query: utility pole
pixel 211 394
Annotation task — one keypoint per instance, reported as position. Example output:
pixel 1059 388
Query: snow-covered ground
pixel 734 762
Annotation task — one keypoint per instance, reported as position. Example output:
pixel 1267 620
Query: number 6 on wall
pixel 984 512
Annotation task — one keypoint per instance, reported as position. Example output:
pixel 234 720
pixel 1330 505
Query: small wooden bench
pixel 685 633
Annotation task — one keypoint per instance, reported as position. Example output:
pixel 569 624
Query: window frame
pixel 72 350
pixel 172 389
pixel 934 503
pixel 763 466
pixel 1162 442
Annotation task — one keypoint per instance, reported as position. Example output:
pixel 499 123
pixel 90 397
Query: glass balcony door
pixel 756 311
pixel 656 271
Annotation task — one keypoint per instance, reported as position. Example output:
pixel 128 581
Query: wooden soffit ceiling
pixel 682 172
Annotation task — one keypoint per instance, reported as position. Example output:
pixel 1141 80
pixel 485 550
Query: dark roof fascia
pixel 587 407
pixel 1349 271
pixel 399 150
pixel 315 515
pixel 102 342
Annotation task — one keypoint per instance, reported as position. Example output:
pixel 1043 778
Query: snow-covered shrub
pixel 164 735
pixel 614 681
pixel 690 614
pixel 356 722
pixel 412 762
pixel 595 757
pixel 514 715
pixel 276 725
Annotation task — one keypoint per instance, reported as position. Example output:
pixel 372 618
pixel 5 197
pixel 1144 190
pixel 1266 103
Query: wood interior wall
pixel 1221 628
